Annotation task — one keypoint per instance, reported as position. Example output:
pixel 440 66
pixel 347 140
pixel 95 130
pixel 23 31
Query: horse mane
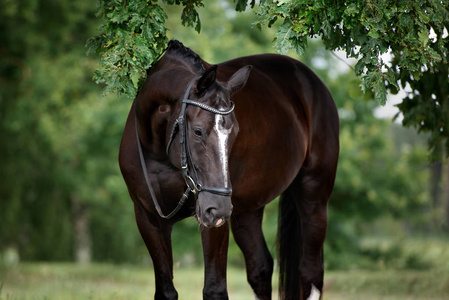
pixel 177 49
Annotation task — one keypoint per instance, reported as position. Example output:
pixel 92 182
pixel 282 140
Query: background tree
pixel 60 137
pixel 59 141
pixel 382 172
pixel 413 33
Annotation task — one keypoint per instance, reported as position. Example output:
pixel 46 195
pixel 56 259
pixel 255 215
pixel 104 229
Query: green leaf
pixel 283 36
pixel 241 5
pixel 352 9
pixel 423 17
pixel 391 78
pixel 423 37
pixel 380 92
pixel 374 34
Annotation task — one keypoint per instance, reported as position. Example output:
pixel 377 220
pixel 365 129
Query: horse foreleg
pixel 215 249
pixel 157 238
pixel 247 231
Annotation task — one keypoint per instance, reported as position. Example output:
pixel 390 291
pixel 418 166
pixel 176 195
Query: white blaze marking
pixel 222 134
pixel 314 294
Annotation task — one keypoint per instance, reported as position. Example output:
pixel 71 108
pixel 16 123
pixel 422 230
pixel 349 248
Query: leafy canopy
pixel 133 37
pixel 412 33
pixel 397 43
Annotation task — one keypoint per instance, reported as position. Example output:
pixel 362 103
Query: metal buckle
pixel 191 184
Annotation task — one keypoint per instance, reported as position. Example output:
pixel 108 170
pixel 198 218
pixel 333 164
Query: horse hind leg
pixel 302 230
pixel 247 231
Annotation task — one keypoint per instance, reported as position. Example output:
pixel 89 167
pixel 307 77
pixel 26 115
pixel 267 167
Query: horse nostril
pixel 210 217
pixel 210 213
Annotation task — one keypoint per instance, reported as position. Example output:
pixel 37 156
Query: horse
pixel 219 142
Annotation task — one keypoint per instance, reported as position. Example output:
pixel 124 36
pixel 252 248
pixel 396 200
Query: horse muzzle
pixel 213 210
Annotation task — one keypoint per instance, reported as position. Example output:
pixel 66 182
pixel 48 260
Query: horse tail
pixel 289 244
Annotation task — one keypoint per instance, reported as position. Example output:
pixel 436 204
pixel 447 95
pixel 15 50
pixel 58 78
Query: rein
pixel 193 186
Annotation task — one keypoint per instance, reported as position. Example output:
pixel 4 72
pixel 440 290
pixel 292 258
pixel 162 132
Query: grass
pixel 44 281
pixel 387 285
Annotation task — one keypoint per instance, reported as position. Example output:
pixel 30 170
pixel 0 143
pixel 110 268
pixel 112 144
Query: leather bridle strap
pixel 210 109
pixel 180 120
pixel 181 126
pixel 150 187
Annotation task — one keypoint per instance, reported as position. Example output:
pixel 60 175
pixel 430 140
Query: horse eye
pixel 198 132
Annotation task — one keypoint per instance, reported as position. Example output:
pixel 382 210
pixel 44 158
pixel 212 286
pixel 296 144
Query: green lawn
pixel 44 281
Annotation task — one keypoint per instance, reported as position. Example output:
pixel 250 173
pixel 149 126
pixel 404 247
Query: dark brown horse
pixel 187 150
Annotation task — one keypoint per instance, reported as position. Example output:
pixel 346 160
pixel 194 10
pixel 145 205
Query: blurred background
pixel 62 197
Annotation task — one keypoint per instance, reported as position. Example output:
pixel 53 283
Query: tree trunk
pixel 82 242
pixel 436 193
pixel 436 172
pixel 447 196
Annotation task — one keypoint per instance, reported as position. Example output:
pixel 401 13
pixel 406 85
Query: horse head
pixel 206 129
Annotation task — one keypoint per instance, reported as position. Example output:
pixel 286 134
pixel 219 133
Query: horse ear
pixel 238 80
pixel 207 80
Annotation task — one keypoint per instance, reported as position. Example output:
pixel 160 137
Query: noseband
pixel 193 186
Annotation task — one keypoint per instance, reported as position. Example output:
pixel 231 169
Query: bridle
pixel 180 125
